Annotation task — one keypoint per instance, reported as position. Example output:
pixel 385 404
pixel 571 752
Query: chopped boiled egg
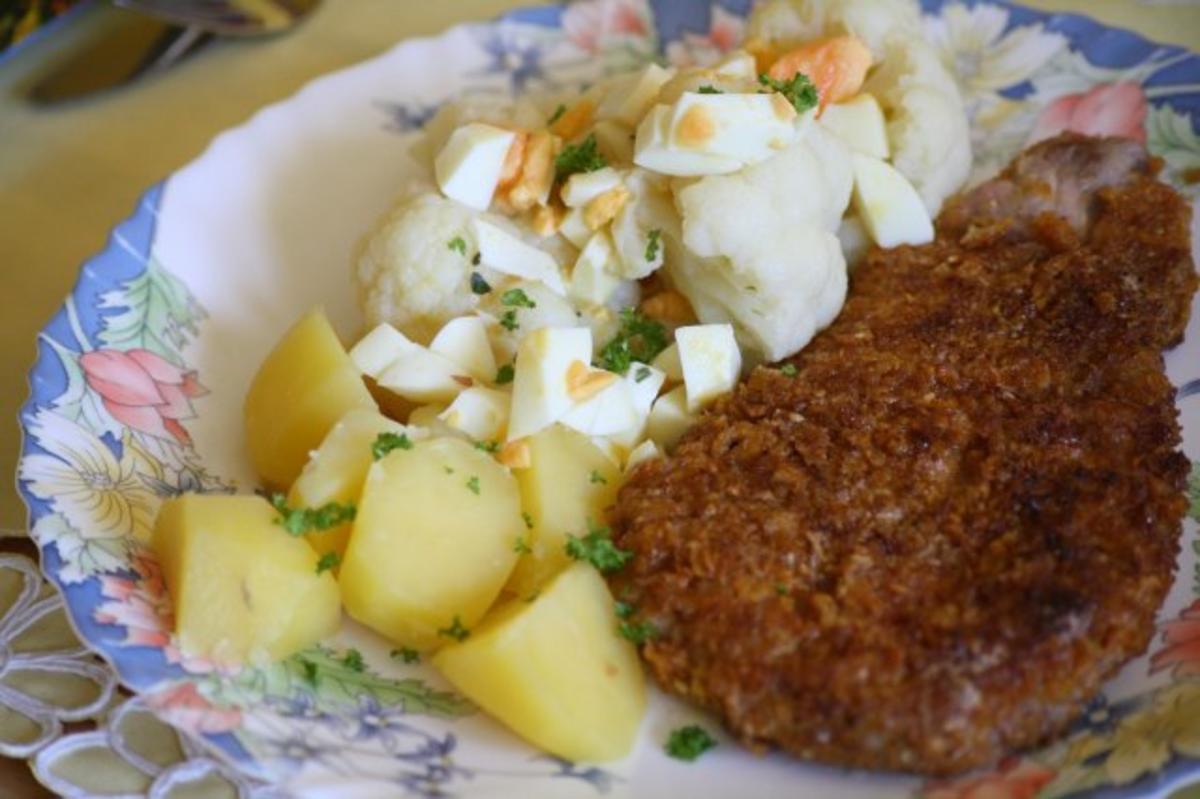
pixel 668 363
pixel 888 205
pixel 653 150
pixel 465 341
pixel 423 376
pixel 711 362
pixel 481 413
pixel 630 98
pixel 748 127
pixel 404 367
pixel 608 411
pixel 644 384
pixel 505 252
pixel 377 350
pixel 738 65
pixel 468 167
pixel 574 229
pixel 669 418
pixel 546 382
pixel 647 450
pixel 860 124
pixel 583 187
pixel 593 280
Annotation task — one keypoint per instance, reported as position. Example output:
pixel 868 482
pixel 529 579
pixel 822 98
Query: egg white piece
pixel 711 362
pixel 888 205
pixel 468 167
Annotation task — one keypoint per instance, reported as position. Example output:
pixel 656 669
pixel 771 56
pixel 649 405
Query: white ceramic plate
pixel 138 389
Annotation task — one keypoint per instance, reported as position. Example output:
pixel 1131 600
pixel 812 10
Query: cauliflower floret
pixel 407 273
pixel 760 245
pixel 926 121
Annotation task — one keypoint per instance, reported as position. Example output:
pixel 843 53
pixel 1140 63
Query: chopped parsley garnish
pixel 479 285
pixel 310 671
pixel 637 632
pixel 597 549
pixel 653 241
pixel 706 89
pixel 781 589
pixel 788 370
pixel 557 115
pixel 473 485
pixel 799 91
pixel 386 442
pixel 527 519
pixel 448 469
pixel 623 609
pixel 508 321
pixel 505 374
pixel 458 244
pixel 641 374
pixel 582 157
pixel 329 560
pixel 407 654
pixel 596 477
pixel 456 630
pixel 688 743
pixel 516 298
pixel 639 339
pixel 298 521
pixel 353 660
pixel 520 547
pixel 491 447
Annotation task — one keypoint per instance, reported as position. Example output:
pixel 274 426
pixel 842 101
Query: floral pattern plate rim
pixel 136 395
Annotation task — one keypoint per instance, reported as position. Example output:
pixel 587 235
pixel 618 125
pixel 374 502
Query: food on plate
pixel 433 541
pixel 927 129
pixel 302 388
pixel 336 470
pixel 715 192
pixel 243 589
pixel 567 486
pixel 927 539
pixel 570 287
pixel 555 669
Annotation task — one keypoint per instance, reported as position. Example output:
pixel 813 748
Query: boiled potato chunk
pixel 303 387
pixel 434 541
pixel 336 471
pixel 243 589
pixel 569 484
pixel 555 670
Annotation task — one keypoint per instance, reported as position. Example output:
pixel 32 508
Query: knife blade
pixel 137 45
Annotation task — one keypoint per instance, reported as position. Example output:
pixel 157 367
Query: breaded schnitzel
pixel 935 541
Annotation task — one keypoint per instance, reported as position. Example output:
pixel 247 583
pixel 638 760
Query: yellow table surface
pixel 69 174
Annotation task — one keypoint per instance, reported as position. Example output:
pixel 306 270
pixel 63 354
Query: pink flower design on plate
pixel 1013 779
pixel 724 34
pixel 143 391
pixel 1181 638
pixel 184 707
pixel 142 606
pixel 1110 109
pixel 588 23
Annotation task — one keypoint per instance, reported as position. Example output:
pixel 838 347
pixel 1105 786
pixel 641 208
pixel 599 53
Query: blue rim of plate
pixel 128 248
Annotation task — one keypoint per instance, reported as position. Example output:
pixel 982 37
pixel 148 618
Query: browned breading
pixel 935 542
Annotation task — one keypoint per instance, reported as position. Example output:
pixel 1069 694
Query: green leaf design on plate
pixel 334 685
pixel 159 314
pixel 1170 136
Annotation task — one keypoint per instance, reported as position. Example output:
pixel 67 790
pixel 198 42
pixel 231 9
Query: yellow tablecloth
pixel 69 174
